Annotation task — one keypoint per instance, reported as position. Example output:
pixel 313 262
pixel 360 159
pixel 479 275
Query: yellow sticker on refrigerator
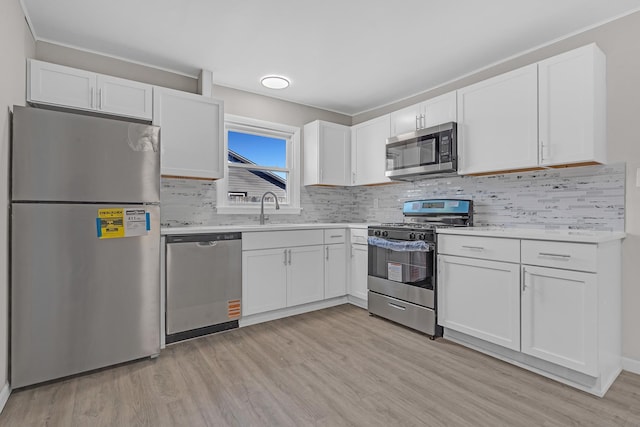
pixel 110 223
pixel 122 222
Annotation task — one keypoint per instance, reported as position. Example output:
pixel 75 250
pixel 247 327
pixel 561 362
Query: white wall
pixel 16 44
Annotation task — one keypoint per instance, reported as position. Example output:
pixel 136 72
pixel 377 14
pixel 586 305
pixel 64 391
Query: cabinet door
pixel 335 271
pixel 264 280
pixel 124 97
pixel 498 123
pixel 480 298
pixel 560 317
pixel 368 152
pixel 573 107
pixel 406 120
pixel 192 140
pixel 335 154
pixel 359 271
pixel 305 275
pixel 438 110
pixel 58 85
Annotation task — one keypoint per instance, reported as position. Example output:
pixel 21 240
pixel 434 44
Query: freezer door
pixel 67 157
pixel 79 302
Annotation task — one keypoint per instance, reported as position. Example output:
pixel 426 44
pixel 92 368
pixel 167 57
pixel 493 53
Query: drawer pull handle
pixel 335 236
pixel 473 248
pixel 399 307
pixel 554 255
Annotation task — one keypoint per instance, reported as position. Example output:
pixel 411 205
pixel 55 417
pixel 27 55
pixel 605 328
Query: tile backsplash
pixel 590 197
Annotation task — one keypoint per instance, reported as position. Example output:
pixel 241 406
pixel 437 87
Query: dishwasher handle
pixel 208 244
pixel 204 239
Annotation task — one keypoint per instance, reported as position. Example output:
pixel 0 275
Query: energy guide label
pixel 122 222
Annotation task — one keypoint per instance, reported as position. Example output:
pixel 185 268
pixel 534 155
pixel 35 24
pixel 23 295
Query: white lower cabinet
pixel 556 311
pixel 335 271
pixel 264 280
pixel 305 275
pixel 480 298
pixel 560 317
pixel 282 269
pixel 359 271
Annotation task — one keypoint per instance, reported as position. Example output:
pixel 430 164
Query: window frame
pixel 291 134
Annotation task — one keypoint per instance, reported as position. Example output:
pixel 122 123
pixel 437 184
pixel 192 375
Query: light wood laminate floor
pixel 334 367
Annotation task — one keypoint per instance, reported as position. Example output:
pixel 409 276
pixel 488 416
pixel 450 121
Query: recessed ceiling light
pixel 275 82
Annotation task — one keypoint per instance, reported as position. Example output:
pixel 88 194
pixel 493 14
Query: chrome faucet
pixel 262 205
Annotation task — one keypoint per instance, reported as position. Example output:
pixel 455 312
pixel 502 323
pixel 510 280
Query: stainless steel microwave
pixel 423 153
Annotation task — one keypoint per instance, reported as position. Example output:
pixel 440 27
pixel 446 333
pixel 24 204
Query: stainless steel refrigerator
pixel 85 244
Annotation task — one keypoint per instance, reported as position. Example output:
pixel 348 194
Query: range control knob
pixel 412 236
pixel 376 233
pixel 421 236
pixel 385 233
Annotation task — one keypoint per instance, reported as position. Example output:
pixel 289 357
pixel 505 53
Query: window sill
pixel 255 210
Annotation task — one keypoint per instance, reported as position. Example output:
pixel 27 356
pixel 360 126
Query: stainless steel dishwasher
pixel 204 284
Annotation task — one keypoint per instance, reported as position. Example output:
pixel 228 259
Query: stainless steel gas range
pixel 402 277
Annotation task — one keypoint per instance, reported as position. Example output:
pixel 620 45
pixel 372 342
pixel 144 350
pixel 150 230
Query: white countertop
pixel 255 227
pixel 578 236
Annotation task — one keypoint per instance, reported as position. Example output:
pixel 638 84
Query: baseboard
pixel 4 395
pixel 631 365
pixel 359 302
pixel 290 311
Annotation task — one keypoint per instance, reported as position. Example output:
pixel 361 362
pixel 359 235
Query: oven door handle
pixel 401 245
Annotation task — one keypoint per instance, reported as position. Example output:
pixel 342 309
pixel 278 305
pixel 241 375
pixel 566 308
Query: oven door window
pixel 413 268
pixel 421 151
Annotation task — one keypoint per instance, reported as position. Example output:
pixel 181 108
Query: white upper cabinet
pixel 327 154
pixel 57 85
pixel 572 90
pixel 191 135
pixel 124 97
pixel 406 119
pixel 441 109
pixel 548 114
pixel 368 151
pixel 435 111
pixel 498 123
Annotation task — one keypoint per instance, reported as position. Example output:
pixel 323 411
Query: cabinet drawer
pixel 570 256
pixel 334 235
pixel 491 248
pixel 359 236
pixel 281 239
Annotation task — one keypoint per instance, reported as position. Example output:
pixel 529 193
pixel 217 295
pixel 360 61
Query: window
pixel 262 157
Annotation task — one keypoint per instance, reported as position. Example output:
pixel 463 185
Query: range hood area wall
pixel 589 197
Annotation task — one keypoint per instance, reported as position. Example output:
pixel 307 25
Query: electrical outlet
pixel 375 201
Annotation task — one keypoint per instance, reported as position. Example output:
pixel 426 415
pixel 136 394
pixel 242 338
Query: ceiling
pixel 347 56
